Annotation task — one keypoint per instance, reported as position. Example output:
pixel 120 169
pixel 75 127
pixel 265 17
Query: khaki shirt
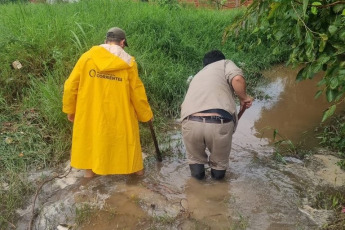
pixel 211 89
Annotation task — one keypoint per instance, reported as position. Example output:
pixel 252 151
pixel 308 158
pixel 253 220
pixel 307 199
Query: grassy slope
pixel 168 43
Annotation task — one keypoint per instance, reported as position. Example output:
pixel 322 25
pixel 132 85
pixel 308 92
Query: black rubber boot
pixel 217 174
pixel 197 171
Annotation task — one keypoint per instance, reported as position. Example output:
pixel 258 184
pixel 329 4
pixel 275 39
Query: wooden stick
pixel 241 111
pixel 158 153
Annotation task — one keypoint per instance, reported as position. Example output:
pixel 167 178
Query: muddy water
pixel 292 109
pixel 256 193
pixel 252 196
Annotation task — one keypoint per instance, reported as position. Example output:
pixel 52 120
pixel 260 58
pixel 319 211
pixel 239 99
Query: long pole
pixel 158 153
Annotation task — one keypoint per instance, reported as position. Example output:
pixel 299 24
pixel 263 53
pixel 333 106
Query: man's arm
pixel 239 85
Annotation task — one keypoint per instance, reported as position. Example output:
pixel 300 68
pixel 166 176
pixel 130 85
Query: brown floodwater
pixel 292 109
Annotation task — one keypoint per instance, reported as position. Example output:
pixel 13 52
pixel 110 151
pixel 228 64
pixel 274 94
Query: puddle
pixel 292 109
pixel 256 193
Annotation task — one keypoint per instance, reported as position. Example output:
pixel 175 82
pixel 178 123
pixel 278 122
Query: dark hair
pixel 213 56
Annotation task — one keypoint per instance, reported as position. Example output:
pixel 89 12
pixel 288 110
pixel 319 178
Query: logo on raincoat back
pixel 94 73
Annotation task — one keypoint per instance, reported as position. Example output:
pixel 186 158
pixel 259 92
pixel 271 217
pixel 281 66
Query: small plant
pixel 332 199
pixel 341 164
pixel 333 137
pixel 84 214
pixel 282 146
pixel 242 223
pixel 285 147
pixel 164 220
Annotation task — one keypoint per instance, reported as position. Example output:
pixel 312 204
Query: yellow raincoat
pixel 108 98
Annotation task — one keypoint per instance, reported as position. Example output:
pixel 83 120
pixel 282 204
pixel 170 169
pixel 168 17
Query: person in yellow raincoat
pixel 105 98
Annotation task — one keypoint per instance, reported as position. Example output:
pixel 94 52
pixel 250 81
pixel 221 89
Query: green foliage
pixel 315 31
pixel 284 147
pixel 13 1
pixel 341 164
pixel 330 199
pixel 333 137
pixel 84 213
pixel 170 4
pixel 14 187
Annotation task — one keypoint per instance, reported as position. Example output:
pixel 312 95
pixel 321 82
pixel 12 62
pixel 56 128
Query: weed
pixel 285 147
pixel 84 214
pixel 333 137
pixel 341 164
pixel 331 199
pixel 164 220
pixel 242 223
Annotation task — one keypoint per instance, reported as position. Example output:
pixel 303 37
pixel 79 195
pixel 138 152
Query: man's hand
pixel 70 117
pixel 247 102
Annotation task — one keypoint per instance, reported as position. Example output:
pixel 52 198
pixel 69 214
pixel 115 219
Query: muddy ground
pixel 257 193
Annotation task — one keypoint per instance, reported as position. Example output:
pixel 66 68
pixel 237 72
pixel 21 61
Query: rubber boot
pixel 197 171
pixel 217 174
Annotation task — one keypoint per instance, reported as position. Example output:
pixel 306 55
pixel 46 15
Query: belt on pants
pixel 209 119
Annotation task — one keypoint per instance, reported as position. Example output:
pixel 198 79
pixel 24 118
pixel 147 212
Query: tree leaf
pixel 342 36
pixel 305 6
pixel 334 83
pixel 330 95
pixel 323 42
pixel 324 58
pixel 313 10
pixel 321 82
pixel 332 29
pixel 275 132
pixel 337 8
pixel 329 112
pixel 318 94
pixel 301 74
pixel 273 7
pixel 316 4
pixel 278 35
pixel 255 30
pixel 298 31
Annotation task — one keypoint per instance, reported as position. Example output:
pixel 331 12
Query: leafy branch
pixel 322 6
pixel 315 32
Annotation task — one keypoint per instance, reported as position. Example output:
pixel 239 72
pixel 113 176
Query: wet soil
pixel 257 192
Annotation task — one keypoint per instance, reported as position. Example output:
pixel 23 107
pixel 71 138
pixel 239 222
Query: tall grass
pixel 168 43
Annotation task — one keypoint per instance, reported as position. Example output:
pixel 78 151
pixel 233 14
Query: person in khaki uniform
pixel 105 98
pixel 209 116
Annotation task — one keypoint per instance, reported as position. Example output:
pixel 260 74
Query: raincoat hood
pixel 110 58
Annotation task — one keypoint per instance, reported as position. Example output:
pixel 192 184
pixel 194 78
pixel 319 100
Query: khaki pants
pixel 217 138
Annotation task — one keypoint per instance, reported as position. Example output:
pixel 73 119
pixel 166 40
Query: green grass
pixel 168 42
pixel 332 136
